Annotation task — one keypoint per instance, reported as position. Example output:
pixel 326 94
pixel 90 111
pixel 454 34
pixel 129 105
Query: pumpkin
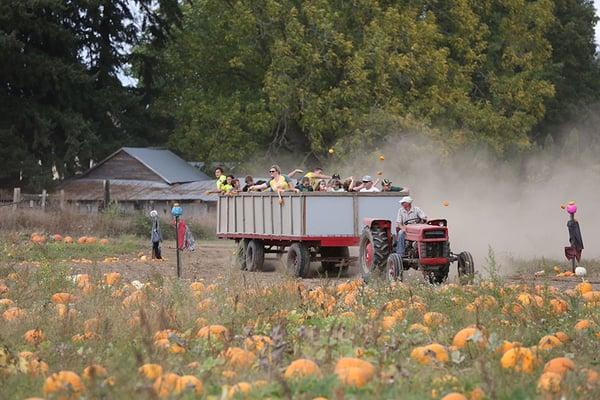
pixel 90 240
pixel 103 242
pixel 302 368
pixel 238 358
pixel 559 365
pixel 112 278
pixel 563 337
pixel 432 352
pixel 63 385
pixel 549 342
pixel 93 372
pixel 213 332
pixel 257 343
pixel 82 240
pixel 584 287
pixel 527 299
pixel 354 371
pixel 68 240
pixel 228 374
pixel 165 384
pixel 593 297
pixel 13 313
pixel 150 371
pixel 38 239
pixel 34 336
pixel 136 298
pixel 477 394
pixel 454 396
pixel 6 302
pixel 32 365
pixel 197 287
pixel 388 323
pixel 57 237
pixel 592 376
pixel 62 298
pixel 559 306
pixel 433 319
pixel 188 383
pixel 506 345
pixel 583 325
pixel 549 382
pixel 239 388
pixel 520 359
pixel 466 335
pixel 419 328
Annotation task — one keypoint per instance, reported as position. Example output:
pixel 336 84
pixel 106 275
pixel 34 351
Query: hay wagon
pixel 308 227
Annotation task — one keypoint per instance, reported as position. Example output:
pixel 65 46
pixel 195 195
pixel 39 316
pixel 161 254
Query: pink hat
pixel 571 208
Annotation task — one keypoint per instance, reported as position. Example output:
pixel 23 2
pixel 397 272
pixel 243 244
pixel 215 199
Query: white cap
pixel 154 213
pixel 406 199
pixel 367 178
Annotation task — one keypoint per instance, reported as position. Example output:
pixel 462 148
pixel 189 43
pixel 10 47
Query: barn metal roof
pixel 164 163
pixel 135 190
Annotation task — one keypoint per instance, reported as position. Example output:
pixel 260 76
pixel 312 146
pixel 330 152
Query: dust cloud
pixel 510 207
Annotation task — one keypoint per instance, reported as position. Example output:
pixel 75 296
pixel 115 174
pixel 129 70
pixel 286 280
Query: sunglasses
pixel 272 171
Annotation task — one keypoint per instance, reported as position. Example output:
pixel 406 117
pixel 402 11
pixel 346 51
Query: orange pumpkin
pixel 103 242
pixel 165 384
pixel 238 358
pixel 112 278
pixel 93 372
pixel 466 335
pixel 150 371
pixel 354 371
pixel 257 343
pixel 90 240
pixel 559 365
pixel 82 240
pixel 213 332
pixel 419 328
pixel 559 306
pixel 13 313
pixel 63 385
pixel 302 368
pixel 62 298
pixel 584 287
pixel 520 359
pixel 549 342
pixel 454 396
pixel 188 383
pixel 583 325
pixel 549 382
pixel 34 336
pixel 57 237
pixel 68 240
pixel 433 319
pixel 431 353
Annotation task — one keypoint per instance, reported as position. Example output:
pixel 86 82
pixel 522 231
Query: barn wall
pixel 123 166
pixel 192 209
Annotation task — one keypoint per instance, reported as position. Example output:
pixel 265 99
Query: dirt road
pixel 213 260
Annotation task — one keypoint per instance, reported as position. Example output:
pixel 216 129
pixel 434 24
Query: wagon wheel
pixel 333 268
pixel 240 254
pixel 255 255
pixel 373 251
pixel 298 260
pixel 466 267
pixel 395 268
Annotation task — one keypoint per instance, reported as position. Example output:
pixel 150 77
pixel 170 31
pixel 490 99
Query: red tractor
pixel 427 249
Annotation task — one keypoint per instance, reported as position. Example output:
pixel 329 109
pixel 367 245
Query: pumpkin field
pixel 96 318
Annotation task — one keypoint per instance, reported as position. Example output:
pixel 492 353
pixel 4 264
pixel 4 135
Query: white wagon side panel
pixel 329 215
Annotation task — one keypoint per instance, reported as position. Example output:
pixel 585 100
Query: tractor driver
pixel 407 214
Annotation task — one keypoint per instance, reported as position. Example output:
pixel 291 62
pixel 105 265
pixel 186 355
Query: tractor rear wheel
pixel 240 254
pixel 395 269
pixel 333 268
pixel 255 255
pixel 373 250
pixel 466 267
pixel 298 260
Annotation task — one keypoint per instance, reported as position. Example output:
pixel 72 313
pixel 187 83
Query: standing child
pixel 156 236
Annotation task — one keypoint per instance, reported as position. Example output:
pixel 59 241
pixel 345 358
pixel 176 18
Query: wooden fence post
pixel 62 199
pixel 44 196
pixel 16 198
pixel 106 193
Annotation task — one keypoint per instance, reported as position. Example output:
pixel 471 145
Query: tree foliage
pixel 303 76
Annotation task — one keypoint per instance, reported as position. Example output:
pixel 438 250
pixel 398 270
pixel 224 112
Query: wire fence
pixel 43 201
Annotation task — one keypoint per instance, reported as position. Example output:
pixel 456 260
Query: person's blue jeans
pixel 401 243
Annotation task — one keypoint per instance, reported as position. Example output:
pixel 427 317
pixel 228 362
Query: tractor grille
pixel 440 234
pixel 435 249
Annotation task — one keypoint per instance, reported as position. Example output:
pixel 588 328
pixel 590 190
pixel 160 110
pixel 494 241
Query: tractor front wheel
pixel 395 269
pixel 466 267
pixel 373 251
pixel 298 260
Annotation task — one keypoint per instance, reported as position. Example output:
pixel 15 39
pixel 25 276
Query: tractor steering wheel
pixel 410 221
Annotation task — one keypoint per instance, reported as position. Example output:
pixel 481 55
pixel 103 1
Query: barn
pixel 141 179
